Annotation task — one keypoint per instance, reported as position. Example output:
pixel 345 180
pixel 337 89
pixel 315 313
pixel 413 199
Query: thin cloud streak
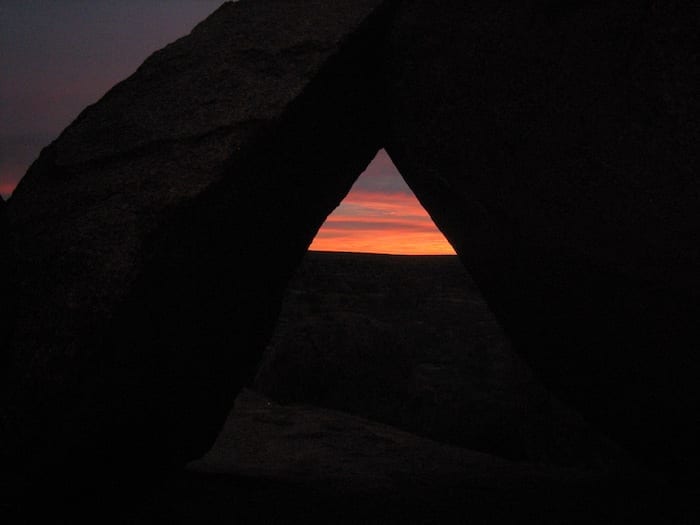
pixel 407 225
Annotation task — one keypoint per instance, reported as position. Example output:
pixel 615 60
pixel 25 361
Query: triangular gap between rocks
pixel 406 340
pixel 381 214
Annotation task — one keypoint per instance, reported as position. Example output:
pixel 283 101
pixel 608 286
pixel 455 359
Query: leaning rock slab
pixel 153 238
pixel 556 147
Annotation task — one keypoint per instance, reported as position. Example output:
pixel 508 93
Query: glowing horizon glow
pixel 388 219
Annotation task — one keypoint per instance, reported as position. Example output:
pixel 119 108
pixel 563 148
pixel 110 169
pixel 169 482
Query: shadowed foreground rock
pixel 303 463
pixel 153 238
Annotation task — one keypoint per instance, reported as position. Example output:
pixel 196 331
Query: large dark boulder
pixel 154 237
pixel 556 146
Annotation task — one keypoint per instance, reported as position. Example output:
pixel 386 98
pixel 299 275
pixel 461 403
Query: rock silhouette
pixel 555 146
pixel 6 294
pixel 154 237
pixel 556 149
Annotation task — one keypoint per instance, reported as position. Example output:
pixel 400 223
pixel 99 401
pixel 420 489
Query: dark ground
pixel 369 343
pixel 409 341
pixel 387 330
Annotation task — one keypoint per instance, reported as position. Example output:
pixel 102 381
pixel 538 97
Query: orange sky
pixel 381 215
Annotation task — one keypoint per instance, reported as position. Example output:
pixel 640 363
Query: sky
pixel 58 56
pixel 381 215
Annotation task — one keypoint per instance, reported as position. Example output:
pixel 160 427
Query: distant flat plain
pixel 410 341
pixel 384 383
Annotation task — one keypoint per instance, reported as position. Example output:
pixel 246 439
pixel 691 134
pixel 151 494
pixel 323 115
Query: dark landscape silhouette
pixel 156 274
